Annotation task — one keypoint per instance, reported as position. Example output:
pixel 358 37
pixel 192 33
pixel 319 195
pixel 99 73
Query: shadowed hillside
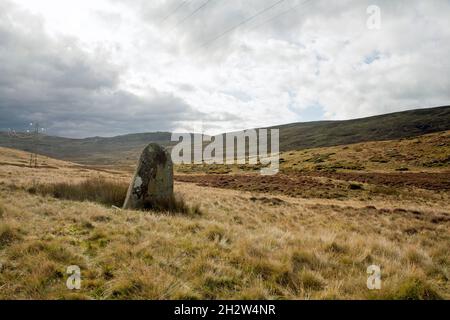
pixel 95 150
pixel 384 127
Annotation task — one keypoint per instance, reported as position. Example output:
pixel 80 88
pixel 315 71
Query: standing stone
pixel 153 180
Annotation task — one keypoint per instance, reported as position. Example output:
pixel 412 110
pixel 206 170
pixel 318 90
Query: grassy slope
pixel 425 153
pixel 428 153
pixel 241 247
pixel 124 150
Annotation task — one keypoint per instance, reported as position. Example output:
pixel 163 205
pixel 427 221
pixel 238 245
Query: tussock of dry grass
pixel 175 205
pixel 99 190
pixel 7 234
pixel 415 289
pixel 109 193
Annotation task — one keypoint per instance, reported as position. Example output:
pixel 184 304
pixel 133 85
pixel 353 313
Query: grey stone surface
pixel 153 179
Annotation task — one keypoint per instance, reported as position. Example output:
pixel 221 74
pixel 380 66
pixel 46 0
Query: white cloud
pixel 318 59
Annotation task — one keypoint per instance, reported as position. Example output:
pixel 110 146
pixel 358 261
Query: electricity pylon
pixel 33 154
pixel 32 135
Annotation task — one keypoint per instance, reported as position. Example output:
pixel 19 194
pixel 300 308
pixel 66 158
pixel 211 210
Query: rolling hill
pixel 391 126
pixel 296 136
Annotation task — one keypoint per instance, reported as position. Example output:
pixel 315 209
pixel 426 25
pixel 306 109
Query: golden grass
pixel 300 249
pixel 429 153
pixel 238 248
pixel 110 193
pixel 101 190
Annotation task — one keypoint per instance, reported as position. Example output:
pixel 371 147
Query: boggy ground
pixel 257 244
pixel 329 184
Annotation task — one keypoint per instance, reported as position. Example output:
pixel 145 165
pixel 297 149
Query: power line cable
pixel 291 9
pixel 241 23
pixel 192 13
pixel 175 10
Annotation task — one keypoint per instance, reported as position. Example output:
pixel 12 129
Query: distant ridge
pixel 294 136
pixel 376 128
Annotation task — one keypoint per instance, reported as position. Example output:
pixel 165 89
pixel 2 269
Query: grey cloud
pixel 184 86
pixel 74 93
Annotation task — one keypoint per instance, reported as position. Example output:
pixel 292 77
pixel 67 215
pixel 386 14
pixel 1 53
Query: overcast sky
pixel 106 67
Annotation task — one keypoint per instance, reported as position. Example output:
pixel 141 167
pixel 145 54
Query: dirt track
pixel 322 184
